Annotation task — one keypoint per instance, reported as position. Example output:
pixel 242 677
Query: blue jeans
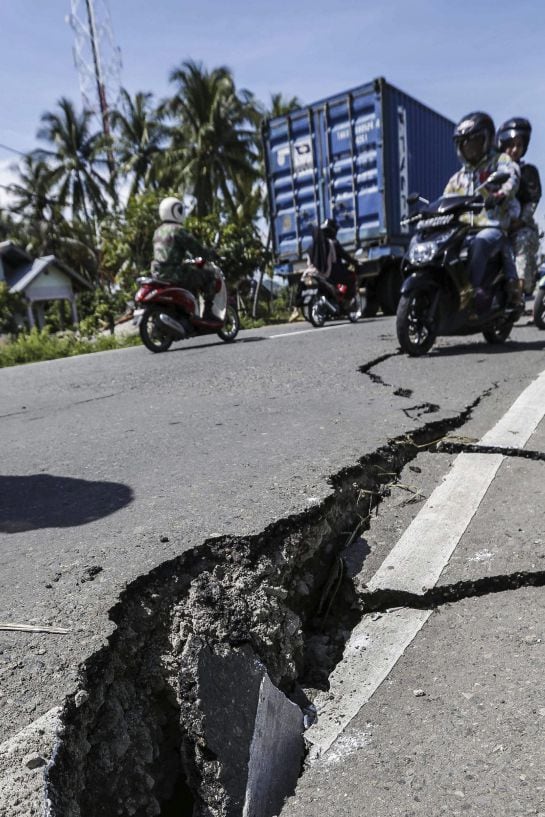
pixel 487 243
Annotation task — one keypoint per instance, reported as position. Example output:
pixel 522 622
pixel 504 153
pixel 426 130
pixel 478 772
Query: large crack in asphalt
pixel 211 652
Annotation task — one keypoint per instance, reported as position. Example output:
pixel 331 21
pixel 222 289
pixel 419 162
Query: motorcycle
pixel 539 302
pixel 436 295
pixel 167 312
pixel 323 300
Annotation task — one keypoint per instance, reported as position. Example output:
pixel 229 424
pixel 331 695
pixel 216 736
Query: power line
pixel 13 150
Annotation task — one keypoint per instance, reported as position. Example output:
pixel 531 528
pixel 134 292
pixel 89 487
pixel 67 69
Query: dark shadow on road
pixel 482 347
pixel 217 343
pixel 47 501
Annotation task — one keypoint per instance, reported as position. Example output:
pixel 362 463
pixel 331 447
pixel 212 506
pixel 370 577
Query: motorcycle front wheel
pixel 539 309
pixel 154 336
pixel 231 327
pixel 317 311
pixel 498 332
pixel 414 324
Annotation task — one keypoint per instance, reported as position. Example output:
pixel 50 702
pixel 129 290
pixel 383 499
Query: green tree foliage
pixel 203 141
pixel 139 137
pixel 126 240
pixel 240 250
pixel 12 308
pixel 73 160
pixel 212 152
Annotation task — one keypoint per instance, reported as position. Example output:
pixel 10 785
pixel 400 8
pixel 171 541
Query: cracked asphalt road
pixel 151 455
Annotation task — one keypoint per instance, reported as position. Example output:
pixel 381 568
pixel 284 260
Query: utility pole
pixel 97 59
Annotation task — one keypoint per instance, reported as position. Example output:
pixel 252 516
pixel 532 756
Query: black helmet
pixel 473 136
pixel 330 228
pixel 517 126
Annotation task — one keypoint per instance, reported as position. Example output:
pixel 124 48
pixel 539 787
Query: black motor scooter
pixel 437 295
pixel 321 300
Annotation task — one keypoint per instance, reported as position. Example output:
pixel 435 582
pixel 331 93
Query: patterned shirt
pixel 467 179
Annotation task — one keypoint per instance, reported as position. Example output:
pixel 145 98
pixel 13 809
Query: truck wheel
pixel 389 288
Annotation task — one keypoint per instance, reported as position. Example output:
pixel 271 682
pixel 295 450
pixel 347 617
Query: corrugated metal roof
pixel 20 278
pixel 12 253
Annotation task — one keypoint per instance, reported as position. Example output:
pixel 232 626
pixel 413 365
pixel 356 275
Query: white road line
pixel 314 329
pixel 418 559
pixel 370 655
pixel 414 565
pixel 519 423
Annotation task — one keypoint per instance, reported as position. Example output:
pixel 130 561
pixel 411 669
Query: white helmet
pixel 171 209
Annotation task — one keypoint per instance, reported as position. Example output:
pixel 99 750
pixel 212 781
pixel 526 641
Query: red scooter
pixel 167 312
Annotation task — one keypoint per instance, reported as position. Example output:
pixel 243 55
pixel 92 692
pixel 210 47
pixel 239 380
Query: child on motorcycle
pixel 513 139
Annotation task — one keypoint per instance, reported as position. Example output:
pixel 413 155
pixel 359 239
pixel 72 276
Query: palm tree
pixel 140 138
pixel 281 105
pixel 31 191
pixel 212 153
pixel 73 159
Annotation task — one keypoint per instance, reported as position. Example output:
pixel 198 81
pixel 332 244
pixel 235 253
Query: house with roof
pixel 40 281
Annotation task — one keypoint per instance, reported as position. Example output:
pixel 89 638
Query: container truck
pixel 355 157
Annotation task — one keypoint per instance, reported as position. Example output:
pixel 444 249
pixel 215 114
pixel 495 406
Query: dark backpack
pixel 530 185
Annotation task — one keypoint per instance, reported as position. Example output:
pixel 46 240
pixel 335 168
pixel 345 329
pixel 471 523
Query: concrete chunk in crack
pixel 253 730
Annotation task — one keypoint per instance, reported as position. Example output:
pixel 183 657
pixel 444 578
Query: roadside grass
pixel 35 346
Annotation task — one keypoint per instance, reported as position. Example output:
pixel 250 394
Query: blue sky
pixel 453 55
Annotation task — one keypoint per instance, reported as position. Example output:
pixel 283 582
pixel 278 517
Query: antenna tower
pixel 97 58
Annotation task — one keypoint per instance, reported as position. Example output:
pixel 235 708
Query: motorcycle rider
pixel 474 138
pixel 331 259
pixel 172 246
pixel 513 139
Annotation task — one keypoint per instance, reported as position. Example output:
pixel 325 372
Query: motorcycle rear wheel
pixel 230 328
pixel 539 309
pixel 415 328
pixel 498 332
pixel 316 311
pixel 153 335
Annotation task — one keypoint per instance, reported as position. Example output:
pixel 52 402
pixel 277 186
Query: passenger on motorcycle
pixel 474 137
pixel 172 247
pixel 513 139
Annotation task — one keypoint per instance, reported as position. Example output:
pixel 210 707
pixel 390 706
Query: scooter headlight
pixel 422 252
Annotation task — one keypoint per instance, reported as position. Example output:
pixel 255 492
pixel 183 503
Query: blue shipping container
pixel 354 157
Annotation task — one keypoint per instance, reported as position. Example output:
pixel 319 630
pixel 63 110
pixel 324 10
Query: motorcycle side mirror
pixel 414 198
pixel 499 177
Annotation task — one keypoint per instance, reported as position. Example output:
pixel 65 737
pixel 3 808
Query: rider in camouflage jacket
pixel 173 247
